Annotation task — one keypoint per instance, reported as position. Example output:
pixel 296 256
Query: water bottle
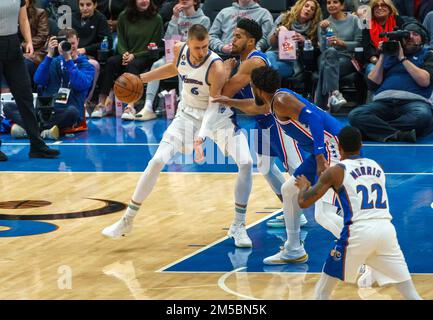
pixel 308 51
pixel 104 44
pixel 329 34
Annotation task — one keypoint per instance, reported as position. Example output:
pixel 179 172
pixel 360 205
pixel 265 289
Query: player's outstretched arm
pixel 332 177
pixel 166 71
pixel 247 106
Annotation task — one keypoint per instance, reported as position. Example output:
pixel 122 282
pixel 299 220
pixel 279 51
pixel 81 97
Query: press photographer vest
pixel 396 77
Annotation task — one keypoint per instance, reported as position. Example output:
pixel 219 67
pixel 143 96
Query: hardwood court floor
pixel 183 210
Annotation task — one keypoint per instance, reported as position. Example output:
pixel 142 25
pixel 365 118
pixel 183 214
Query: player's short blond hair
pixel 198 32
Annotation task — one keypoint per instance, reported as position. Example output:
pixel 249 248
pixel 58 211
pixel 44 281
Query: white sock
pixel 407 290
pixel 148 106
pixel 324 287
pixel 291 213
pixel 131 210
pixel 240 215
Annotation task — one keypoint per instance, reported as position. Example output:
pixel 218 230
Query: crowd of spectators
pixel 337 30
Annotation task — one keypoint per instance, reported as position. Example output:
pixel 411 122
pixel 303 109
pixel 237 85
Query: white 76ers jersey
pixel 195 92
pixel 363 195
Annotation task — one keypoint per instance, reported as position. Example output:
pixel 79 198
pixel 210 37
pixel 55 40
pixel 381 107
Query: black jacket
pixel 92 32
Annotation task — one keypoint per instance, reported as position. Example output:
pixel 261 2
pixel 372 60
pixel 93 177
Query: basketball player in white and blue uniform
pixel 203 75
pixel 368 236
pixel 315 132
pixel 270 141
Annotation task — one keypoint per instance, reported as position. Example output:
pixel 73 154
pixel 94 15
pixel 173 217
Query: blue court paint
pixel 410 194
pixel 21 228
pixel 410 199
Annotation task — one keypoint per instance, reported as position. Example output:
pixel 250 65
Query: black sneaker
pixel 3 157
pixel 44 153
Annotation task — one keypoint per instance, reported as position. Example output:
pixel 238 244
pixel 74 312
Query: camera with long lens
pixel 64 44
pixel 390 47
pixel 44 110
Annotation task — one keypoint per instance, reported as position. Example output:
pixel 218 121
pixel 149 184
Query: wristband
pixel 402 60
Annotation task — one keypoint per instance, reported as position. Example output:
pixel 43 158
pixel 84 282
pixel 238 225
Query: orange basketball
pixel 128 88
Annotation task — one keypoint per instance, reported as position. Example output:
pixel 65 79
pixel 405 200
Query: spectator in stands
pixel 185 14
pixel 303 18
pixel 139 25
pixel 401 109
pixel 56 16
pixel 111 10
pixel 92 28
pixel 353 5
pixel 415 8
pixel 337 49
pixel 428 24
pixel 38 19
pixel 384 18
pixel 221 32
pixel 68 78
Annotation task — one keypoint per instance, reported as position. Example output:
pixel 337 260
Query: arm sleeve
pixel 121 35
pixel 428 65
pixel 81 78
pixel 215 34
pixel 43 72
pixel 317 128
pixel 357 36
pixel 41 36
pixel 214 115
pixel 267 24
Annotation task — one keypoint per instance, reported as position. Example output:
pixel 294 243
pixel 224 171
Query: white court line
pixel 222 285
pixel 202 173
pixel 71 144
pixel 84 144
pixel 212 244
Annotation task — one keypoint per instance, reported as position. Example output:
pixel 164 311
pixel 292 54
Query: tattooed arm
pixel 331 177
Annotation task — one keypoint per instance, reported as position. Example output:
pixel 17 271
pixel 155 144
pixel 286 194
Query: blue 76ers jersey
pixel 300 131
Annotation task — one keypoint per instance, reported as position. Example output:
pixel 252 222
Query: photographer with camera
pixel 14 70
pixel 403 82
pixel 67 78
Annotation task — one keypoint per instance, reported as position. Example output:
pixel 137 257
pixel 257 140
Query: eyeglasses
pixel 381 5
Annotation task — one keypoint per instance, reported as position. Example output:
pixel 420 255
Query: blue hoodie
pixel 77 76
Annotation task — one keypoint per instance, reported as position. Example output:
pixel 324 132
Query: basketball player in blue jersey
pixel 203 75
pixel 271 142
pixel 315 132
pixel 368 236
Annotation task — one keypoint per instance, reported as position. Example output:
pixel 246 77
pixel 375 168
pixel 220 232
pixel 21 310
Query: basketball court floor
pixel 52 213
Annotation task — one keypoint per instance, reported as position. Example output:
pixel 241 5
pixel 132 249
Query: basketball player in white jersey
pixel 368 236
pixel 203 75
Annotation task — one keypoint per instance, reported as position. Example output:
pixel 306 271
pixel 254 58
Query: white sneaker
pixel 119 229
pixel 279 221
pixel 18 132
pixel 239 234
pixel 128 114
pixel 288 256
pixel 336 101
pixel 366 280
pixel 145 115
pixel 51 134
pixel 99 112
